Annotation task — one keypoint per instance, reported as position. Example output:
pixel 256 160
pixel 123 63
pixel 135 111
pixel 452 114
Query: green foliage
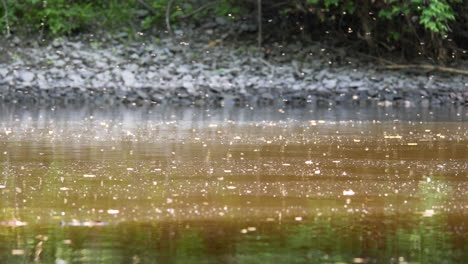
pixel 58 16
pixel 433 14
pixel 348 6
pixel 61 16
pixel 226 7
pixel 389 21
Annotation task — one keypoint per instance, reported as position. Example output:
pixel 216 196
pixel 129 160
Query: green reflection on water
pixel 378 239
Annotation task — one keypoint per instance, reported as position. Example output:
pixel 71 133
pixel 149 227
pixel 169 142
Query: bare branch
pixel 168 16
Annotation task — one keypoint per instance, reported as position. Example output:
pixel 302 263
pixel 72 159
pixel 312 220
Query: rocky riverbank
pixel 208 70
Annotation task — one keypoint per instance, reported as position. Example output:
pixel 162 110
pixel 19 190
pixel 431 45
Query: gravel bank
pixel 204 72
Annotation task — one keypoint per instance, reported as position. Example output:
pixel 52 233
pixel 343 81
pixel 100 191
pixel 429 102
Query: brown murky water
pixel 210 187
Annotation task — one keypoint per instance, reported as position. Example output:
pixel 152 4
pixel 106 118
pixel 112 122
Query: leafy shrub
pixel 376 21
pixel 432 14
pixel 64 16
pixel 58 16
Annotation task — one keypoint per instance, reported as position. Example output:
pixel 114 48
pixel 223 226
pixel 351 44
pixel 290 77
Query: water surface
pixel 166 185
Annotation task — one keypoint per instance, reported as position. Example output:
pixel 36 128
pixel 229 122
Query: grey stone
pixel 128 78
pixel 330 84
pixel 356 84
pixel 26 76
pixel 297 86
pixel 385 103
pixel 42 82
pixel 322 74
pixel 72 69
pixel 76 79
pixel 363 88
pixel 131 67
pixel 323 91
pixel 77 62
pixel 189 86
pixel 344 78
pixel 311 87
pixel 101 64
pixel 16 40
pixel 356 75
pixel 57 43
pixel 59 63
pixel 3 72
pixel 142 94
pixel 183 69
pixel 57 73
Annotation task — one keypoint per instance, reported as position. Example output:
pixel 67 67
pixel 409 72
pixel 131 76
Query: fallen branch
pixel 7 24
pixel 426 67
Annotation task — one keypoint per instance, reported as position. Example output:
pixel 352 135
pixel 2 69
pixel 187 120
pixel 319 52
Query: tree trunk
pixel 363 14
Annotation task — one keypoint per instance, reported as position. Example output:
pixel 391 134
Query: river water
pixel 270 185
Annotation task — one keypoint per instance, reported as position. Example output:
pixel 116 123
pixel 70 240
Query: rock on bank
pixel 165 71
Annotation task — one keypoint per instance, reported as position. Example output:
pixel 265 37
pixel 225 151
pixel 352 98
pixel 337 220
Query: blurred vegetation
pixel 434 28
pixel 321 240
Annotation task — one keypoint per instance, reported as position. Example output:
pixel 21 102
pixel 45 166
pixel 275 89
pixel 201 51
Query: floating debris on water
pixel 348 192
pixel 83 223
pixel 17 252
pixel 428 213
pixel 13 223
pixel 393 137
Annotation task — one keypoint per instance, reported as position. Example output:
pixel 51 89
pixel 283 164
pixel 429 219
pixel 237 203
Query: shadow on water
pixel 229 185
